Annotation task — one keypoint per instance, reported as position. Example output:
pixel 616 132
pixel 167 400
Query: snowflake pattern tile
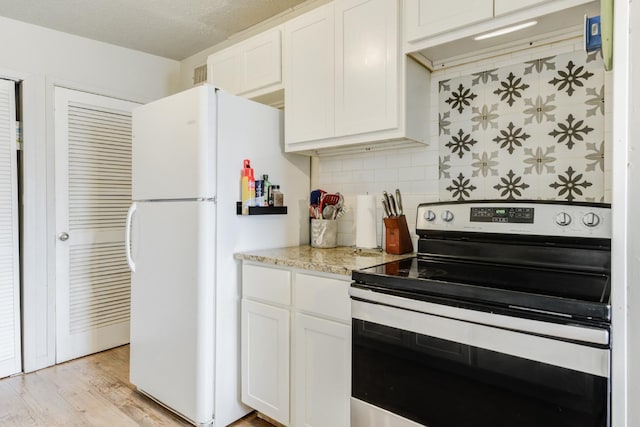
pixel 533 130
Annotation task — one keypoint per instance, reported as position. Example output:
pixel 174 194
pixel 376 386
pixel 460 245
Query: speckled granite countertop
pixel 340 260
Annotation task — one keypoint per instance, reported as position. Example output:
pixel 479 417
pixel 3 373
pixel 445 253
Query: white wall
pixel 41 59
pixel 95 66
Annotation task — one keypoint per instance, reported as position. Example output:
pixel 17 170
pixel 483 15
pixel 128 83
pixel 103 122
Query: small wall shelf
pixel 262 210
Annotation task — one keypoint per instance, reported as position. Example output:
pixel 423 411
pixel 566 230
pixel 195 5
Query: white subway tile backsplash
pixel 326 178
pixel 411 173
pixel 373 161
pixel 386 175
pixel 352 164
pixel 331 164
pixel 343 176
pixel 399 160
pixel 362 176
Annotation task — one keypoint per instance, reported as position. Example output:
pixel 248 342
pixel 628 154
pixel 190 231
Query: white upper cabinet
pixel 346 79
pixel 261 62
pixel 249 68
pixel 506 6
pixel 309 72
pixel 431 23
pixel 367 85
pixel 222 70
pixel 424 18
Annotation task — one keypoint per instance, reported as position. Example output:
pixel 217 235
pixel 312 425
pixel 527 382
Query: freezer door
pixel 172 305
pixel 174 147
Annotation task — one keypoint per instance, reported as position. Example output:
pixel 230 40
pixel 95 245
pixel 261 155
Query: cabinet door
pixel 223 70
pixel 367 66
pixel 321 372
pixel 424 18
pixel 261 61
pixel 309 76
pixel 265 359
pixel 506 6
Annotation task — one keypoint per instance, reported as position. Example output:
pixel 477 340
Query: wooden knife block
pixel 398 240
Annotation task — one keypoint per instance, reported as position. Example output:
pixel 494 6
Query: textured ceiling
pixel 173 29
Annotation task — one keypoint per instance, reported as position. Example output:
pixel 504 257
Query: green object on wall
pixel 606 28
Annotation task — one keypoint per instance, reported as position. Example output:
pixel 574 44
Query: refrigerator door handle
pixel 127 238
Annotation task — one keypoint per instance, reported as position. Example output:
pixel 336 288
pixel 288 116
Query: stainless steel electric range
pixel 502 319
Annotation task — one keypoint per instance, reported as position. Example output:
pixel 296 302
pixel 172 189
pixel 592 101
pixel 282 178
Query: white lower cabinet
pixel 321 372
pixel 296 345
pixel 265 359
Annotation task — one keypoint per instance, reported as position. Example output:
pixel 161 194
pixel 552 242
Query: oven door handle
pixel 555 352
pixel 588 335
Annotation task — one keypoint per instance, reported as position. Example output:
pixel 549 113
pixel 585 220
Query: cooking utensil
pixel 392 205
pixel 329 212
pixel 331 199
pixel 314 198
pixel 386 208
pixel 339 206
pixel 313 211
pixel 399 202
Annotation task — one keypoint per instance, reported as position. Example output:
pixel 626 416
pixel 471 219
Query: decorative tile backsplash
pixel 533 130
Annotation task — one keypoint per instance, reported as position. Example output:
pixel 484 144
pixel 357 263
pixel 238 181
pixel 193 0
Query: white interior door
pixel 93 192
pixel 10 356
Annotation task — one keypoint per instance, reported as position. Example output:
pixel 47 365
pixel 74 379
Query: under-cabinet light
pixel 506 30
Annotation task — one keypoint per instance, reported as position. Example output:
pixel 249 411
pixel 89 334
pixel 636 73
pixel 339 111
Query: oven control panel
pixel 535 218
pixel 520 215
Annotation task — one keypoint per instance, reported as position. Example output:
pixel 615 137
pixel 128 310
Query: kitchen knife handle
pixel 394 209
pixel 386 208
pixel 386 198
pixel 399 201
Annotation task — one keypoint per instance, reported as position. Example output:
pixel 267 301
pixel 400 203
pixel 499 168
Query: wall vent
pixel 200 74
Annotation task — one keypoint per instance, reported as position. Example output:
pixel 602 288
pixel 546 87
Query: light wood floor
pixel 91 391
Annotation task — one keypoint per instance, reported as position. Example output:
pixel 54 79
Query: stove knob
pixel 591 220
pixel 563 219
pixel 430 215
pixel 447 216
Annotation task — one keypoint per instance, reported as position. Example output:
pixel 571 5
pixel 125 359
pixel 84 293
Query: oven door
pixel 412 368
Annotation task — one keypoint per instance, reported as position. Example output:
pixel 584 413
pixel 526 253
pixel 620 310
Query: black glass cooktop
pixel 547 290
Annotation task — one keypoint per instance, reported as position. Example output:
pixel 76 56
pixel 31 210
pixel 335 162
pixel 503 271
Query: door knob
pixel 63 237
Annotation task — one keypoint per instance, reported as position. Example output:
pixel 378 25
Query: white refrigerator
pixel 182 232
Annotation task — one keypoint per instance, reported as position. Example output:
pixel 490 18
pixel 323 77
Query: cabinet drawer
pixel 266 284
pixel 323 295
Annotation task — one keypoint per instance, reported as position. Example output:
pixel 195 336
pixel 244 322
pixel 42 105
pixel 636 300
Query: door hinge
pixel 18 136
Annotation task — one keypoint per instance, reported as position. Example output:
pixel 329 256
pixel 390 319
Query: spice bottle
pixel 278 197
pixel 247 186
pixel 267 189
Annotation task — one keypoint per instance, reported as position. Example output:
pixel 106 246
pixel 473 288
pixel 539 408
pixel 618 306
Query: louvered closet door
pixel 10 357
pixel 93 192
